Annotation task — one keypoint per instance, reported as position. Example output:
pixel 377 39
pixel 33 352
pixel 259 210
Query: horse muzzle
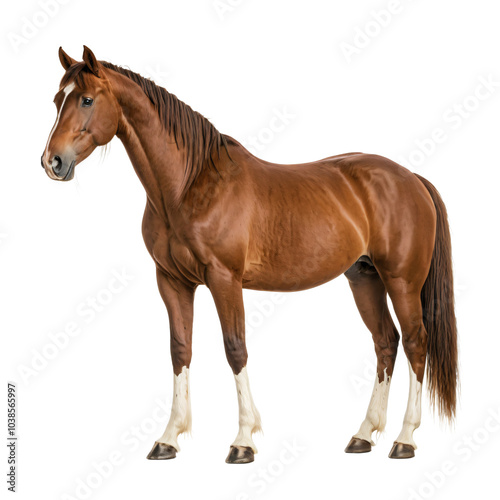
pixel 60 169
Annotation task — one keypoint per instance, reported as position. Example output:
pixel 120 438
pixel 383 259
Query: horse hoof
pixel 402 450
pixel 162 451
pixel 357 445
pixel 240 455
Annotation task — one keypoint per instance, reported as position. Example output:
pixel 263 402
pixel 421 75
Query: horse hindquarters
pixel 420 276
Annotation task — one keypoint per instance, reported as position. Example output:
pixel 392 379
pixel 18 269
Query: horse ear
pixel 91 61
pixel 66 61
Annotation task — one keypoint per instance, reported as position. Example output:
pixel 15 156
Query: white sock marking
pixel 249 418
pixel 413 411
pixel 180 416
pixel 376 415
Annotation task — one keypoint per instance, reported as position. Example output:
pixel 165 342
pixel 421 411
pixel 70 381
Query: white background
pixel 311 358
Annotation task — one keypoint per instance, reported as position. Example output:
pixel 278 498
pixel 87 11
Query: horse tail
pixel 439 316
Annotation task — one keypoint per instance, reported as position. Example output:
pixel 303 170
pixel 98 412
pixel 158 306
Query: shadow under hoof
pixel 401 450
pixel 357 445
pixel 162 451
pixel 240 455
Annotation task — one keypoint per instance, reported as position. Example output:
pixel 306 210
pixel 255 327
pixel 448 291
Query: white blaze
pixel 67 90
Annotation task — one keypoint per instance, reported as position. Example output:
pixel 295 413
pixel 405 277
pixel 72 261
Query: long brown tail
pixel 439 316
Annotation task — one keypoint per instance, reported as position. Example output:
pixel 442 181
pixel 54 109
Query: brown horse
pixel 217 215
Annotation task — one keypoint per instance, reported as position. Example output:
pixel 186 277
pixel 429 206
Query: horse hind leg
pixel 408 308
pixel 370 296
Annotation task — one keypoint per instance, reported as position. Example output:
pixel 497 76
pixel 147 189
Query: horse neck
pixel 157 160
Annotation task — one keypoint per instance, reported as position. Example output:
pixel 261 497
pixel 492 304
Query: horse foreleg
pixel 228 297
pixel 178 299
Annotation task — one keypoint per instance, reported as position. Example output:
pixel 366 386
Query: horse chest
pixel 171 255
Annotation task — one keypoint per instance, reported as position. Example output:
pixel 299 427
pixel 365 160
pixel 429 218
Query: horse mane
pixel 189 128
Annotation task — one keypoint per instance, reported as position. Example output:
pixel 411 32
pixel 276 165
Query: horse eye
pixel 87 102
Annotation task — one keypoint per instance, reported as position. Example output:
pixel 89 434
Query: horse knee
pixel 180 351
pixel 236 352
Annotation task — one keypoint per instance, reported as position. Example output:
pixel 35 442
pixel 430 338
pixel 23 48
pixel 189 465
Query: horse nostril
pixel 41 161
pixel 58 166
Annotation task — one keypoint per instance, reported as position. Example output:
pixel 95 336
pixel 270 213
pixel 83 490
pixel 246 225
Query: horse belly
pixel 289 280
pixel 302 260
